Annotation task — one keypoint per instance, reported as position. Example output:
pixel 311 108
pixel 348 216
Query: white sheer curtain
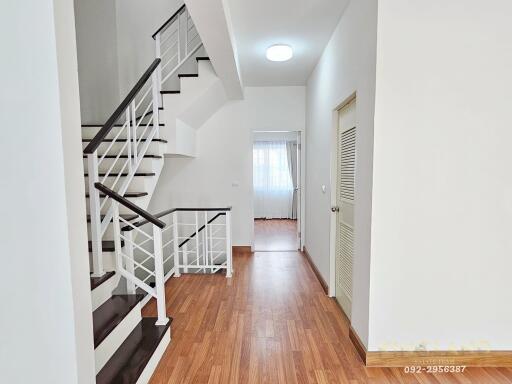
pixel 291 151
pixel 273 186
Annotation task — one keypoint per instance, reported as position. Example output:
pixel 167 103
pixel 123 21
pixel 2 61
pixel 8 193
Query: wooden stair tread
pixel 124 140
pixel 110 314
pixel 115 125
pixel 97 281
pixel 127 194
pixel 139 174
pixel 107 245
pixel 126 156
pixel 188 75
pixel 129 361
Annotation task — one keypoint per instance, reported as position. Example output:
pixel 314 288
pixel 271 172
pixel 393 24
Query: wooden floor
pixel 275 235
pixel 271 323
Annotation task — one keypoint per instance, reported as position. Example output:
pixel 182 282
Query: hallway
pixel 271 323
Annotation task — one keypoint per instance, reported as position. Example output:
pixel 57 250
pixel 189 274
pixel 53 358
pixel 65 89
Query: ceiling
pixel 305 25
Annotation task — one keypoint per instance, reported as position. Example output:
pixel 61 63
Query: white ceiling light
pixel 279 52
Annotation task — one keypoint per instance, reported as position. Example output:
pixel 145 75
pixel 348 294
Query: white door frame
pixel 334 184
pixel 301 201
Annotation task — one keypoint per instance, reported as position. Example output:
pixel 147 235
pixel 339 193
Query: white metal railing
pixel 118 150
pixel 203 241
pixel 194 240
pixel 126 262
pixel 137 240
pixel 115 153
pixel 175 42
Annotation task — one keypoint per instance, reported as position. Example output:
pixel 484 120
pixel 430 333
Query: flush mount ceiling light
pixel 279 52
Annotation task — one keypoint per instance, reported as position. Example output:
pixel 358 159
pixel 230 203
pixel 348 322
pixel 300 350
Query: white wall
pixel 222 172
pixel 115 48
pixel 74 182
pixel 45 289
pixel 275 136
pixel 442 205
pixel 276 108
pixel 136 21
pixel 97 59
pixel 224 160
pixel 346 66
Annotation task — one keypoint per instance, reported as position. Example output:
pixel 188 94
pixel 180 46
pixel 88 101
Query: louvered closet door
pixel 345 201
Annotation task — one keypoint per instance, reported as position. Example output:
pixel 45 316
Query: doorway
pixel 342 225
pixel 276 186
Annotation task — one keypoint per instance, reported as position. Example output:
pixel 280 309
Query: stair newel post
pixel 155 91
pixel 159 277
pixel 117 236
pixel 134 130
pixel 185 257
pixel 176 244
pixel 95 213
pixel 197 239
pixel 211 248
pixel 129 260
pixel 128 140
pixel 158 55
pixel 205 243
pixel 229 248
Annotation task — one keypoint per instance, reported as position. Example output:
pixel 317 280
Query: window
pixel 273 186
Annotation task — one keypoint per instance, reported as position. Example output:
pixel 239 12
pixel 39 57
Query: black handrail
pixel 172 210
pixel 128 204
pixel 105 130
pixel 200 229
pixel 168 21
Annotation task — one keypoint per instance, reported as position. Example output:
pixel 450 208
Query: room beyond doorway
pixel 276 186
pixel 275 235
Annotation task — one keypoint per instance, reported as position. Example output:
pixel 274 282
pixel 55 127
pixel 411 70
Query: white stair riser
pixel 155 148
pixel 193 86
pixel 138 183
pixel 146 165
pixel 205 69
pixel 109 346
pixel 104 292
pixel 153 362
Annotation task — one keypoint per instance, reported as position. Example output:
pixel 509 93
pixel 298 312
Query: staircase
pixel 133 252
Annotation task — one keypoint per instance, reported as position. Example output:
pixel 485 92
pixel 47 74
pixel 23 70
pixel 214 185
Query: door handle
pixel 335 209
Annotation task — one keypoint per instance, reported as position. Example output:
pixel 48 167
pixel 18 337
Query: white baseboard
pixel 104 291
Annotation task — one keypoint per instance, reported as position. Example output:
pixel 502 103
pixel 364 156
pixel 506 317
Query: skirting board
pixel 429 358
pixel 241 249
pixel 316 271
